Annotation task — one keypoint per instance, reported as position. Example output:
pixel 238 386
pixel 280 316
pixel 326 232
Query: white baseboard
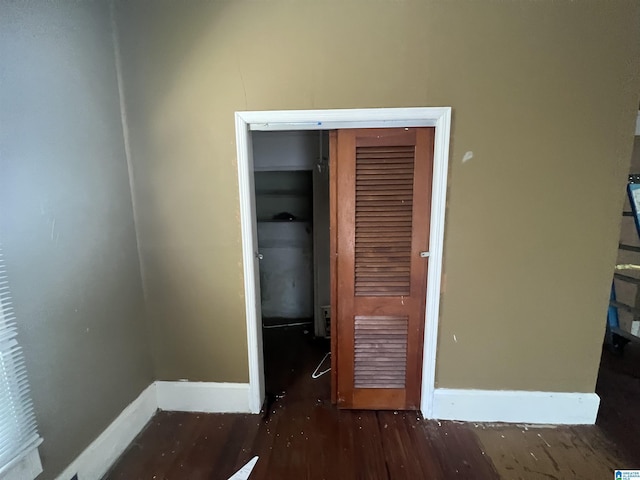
pixel 514 406
pixel 100 455
pixel 211 397
pixel 208 397
pixel 103 452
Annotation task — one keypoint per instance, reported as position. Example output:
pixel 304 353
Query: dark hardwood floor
pixel 619 389
pixel 305 437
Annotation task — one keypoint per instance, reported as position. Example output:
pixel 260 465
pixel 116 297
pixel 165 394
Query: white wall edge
pixel 124 121
pixel 206 397
pixel 102 453
pixel 638 124
pixel 514 406
pixel 332 119
pixel 436 249
pixel 438 117
pixel 248 226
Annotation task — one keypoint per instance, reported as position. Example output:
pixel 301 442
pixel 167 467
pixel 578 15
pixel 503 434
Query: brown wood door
pixel 380 225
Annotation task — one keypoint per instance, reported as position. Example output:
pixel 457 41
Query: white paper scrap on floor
pixel 244 472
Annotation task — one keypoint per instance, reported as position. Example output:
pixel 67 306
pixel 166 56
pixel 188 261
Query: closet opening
pixel 291 187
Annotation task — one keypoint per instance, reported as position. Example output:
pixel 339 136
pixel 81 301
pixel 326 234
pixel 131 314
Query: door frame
pixel 279 120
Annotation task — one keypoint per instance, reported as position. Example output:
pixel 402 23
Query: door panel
pixel 381 218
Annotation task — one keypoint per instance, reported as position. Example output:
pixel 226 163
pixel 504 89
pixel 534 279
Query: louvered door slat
pixel 377 250
pixel 380 351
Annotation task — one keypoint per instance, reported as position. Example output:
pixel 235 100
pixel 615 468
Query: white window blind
pixel 18 432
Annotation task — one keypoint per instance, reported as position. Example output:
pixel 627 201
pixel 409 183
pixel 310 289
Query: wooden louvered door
pixel 382 212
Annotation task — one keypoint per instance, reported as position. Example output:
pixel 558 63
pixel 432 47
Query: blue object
pixel 612 313
pixel 613 323
pixel 633 190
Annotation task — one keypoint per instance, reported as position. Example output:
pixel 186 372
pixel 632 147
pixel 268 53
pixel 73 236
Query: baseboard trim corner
pixel 94 462
pixel 515 406
pixel 207 397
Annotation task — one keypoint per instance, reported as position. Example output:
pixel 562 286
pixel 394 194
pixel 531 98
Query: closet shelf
pixel 283 193
pixel 297 220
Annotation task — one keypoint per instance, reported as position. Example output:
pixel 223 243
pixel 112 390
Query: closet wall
pixel 289 185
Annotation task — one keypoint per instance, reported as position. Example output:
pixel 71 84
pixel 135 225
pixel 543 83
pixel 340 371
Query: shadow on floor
pixel 291 354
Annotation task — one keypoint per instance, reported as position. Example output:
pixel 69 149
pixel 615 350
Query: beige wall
pixel 543 93
pixel 66 222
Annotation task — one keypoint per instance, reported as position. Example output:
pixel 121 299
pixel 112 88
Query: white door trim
pixel 438 117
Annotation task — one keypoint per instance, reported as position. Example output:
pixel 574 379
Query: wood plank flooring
pixel 619 389
pixel 305 437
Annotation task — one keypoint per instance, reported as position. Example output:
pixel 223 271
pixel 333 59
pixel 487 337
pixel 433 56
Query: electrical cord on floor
pixel 317 374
